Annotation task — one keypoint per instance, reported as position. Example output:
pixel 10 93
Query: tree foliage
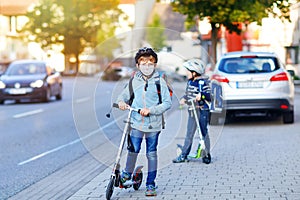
pixel 229 13
pixel 74 23
pixel 155 34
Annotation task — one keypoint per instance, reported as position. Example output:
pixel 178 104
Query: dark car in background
pixel 255 83
pixel 30 80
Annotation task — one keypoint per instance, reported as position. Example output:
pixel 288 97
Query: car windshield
pixel 26 69
pixel 245 65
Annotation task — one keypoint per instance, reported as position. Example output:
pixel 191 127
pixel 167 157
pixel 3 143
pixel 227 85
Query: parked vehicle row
pixel 253 83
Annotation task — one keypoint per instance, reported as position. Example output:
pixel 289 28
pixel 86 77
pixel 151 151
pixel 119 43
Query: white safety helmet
pixel 195 65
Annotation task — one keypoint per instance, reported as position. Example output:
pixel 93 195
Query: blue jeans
pixel 203 116
pixel 136 137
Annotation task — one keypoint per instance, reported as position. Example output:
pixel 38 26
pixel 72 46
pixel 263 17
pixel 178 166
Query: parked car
pixel 172 76
pixel 124 71
pixel 30 79
pixel 255 83
pixel 3 66
pixel 117 73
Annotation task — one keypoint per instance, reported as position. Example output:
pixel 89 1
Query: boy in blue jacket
pixel 198 88
pixel 149 121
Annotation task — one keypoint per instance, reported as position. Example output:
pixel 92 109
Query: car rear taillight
pixel 280 77
pixel 284 107
pixel 220 78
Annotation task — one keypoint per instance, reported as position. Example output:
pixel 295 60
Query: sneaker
pixel 180 159
pixel 206 159
pixel 150 191
pixel 125 177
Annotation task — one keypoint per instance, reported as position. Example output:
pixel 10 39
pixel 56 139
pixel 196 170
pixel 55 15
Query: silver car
pixel 255 83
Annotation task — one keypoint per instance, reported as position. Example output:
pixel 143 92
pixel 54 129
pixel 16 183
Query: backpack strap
pixel 157 83
pixel 131 93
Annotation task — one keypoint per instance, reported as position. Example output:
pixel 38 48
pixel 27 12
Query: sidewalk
pixel 234 176
pixel 188 186
pixel 245 165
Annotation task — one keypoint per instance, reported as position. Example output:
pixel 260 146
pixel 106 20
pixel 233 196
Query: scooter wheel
pixel 138 178
pixel 110 188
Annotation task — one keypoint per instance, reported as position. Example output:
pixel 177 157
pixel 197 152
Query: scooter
pixel 137 176
pixel 201 150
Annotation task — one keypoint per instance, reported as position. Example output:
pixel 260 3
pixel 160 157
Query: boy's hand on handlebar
pixel 122 105
pixel 182 101
pixel 144 112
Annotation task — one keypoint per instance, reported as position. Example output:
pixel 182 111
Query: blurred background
pixel 88 37
pixel 52 148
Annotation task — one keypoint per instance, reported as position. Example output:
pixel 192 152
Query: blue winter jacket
pixel 199 85
pixel 146 96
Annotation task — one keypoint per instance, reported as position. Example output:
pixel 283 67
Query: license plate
pixel 249 84
pixel 17 91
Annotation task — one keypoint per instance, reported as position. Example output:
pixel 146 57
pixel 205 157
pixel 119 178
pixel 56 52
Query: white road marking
pixel 25 114
pixel 68 144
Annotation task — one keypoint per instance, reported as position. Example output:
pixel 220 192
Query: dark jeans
pixel 136 137
pixel 203 116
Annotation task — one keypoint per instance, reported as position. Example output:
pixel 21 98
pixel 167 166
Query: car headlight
pixel 37 84
pixel 2 85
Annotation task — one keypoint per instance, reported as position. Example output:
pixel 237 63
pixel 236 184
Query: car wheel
pixel 288 117
pixel 2 101
pixel 47 95
pixel 59 95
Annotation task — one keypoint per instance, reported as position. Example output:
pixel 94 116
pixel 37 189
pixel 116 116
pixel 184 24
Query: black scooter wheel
pixel 110 188
pixel 138 178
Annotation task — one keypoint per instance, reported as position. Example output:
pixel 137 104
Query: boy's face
pixel 189 74
pixel 146 65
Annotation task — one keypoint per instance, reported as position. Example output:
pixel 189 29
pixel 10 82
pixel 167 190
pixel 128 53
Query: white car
pixel 255 83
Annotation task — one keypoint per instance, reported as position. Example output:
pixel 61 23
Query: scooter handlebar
pixel 115 105
pixel 192 100
pixel 195 100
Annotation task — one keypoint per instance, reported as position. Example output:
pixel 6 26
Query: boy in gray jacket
pixel 149 121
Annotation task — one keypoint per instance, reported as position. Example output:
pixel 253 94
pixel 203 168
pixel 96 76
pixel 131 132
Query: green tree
pixel 229 13
pixel 74 23
pixel 155 34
